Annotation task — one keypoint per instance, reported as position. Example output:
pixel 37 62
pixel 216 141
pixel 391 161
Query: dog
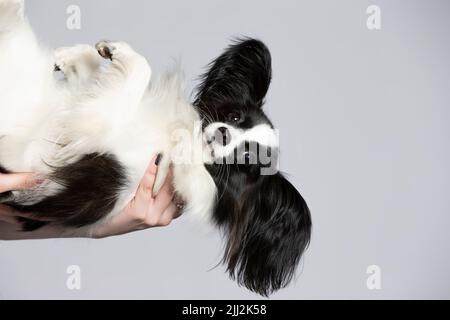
pixel 89 136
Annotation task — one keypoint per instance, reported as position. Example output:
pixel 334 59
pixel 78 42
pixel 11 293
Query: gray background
pixel 363 123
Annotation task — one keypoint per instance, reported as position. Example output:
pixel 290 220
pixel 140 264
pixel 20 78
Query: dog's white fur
pixel 99 107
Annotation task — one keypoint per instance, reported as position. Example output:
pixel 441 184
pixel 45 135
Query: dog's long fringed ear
pixel 241 74
pixel 269 235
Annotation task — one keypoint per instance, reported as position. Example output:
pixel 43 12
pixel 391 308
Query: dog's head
pixel 266 220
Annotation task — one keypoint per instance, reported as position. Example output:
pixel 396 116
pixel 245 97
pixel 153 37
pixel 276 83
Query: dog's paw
pixel 112 50
pixel 105 49
pixel 126 61
pixel 77 60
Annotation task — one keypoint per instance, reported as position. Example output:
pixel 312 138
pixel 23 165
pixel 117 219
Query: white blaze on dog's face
pixel 231 143
pixel 224 138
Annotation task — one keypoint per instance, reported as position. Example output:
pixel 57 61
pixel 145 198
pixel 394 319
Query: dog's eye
pixel 234 117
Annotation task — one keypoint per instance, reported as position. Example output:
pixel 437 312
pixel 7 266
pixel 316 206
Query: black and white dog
pixel 91 135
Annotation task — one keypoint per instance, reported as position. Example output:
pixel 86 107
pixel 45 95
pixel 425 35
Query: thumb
pixel 16 181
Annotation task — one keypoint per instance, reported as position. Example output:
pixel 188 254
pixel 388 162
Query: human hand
pixel 17 181
pixel 10 182
pixel 144 211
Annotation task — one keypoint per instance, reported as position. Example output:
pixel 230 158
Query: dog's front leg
pixel 79 64
pixel 109 102
pixel 129 72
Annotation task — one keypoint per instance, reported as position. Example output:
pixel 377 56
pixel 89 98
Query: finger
pixel 144 192
pixel 165 194
pixel 16 181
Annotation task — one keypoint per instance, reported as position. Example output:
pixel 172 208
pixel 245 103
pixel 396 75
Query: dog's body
pixel 84 125
pixel 90 138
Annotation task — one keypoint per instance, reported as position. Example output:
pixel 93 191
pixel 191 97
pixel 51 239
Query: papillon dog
pixel 90 135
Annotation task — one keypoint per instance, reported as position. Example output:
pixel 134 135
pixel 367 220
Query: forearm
pixel 12 232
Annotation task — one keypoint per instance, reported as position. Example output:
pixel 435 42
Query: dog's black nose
pixel 223 136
